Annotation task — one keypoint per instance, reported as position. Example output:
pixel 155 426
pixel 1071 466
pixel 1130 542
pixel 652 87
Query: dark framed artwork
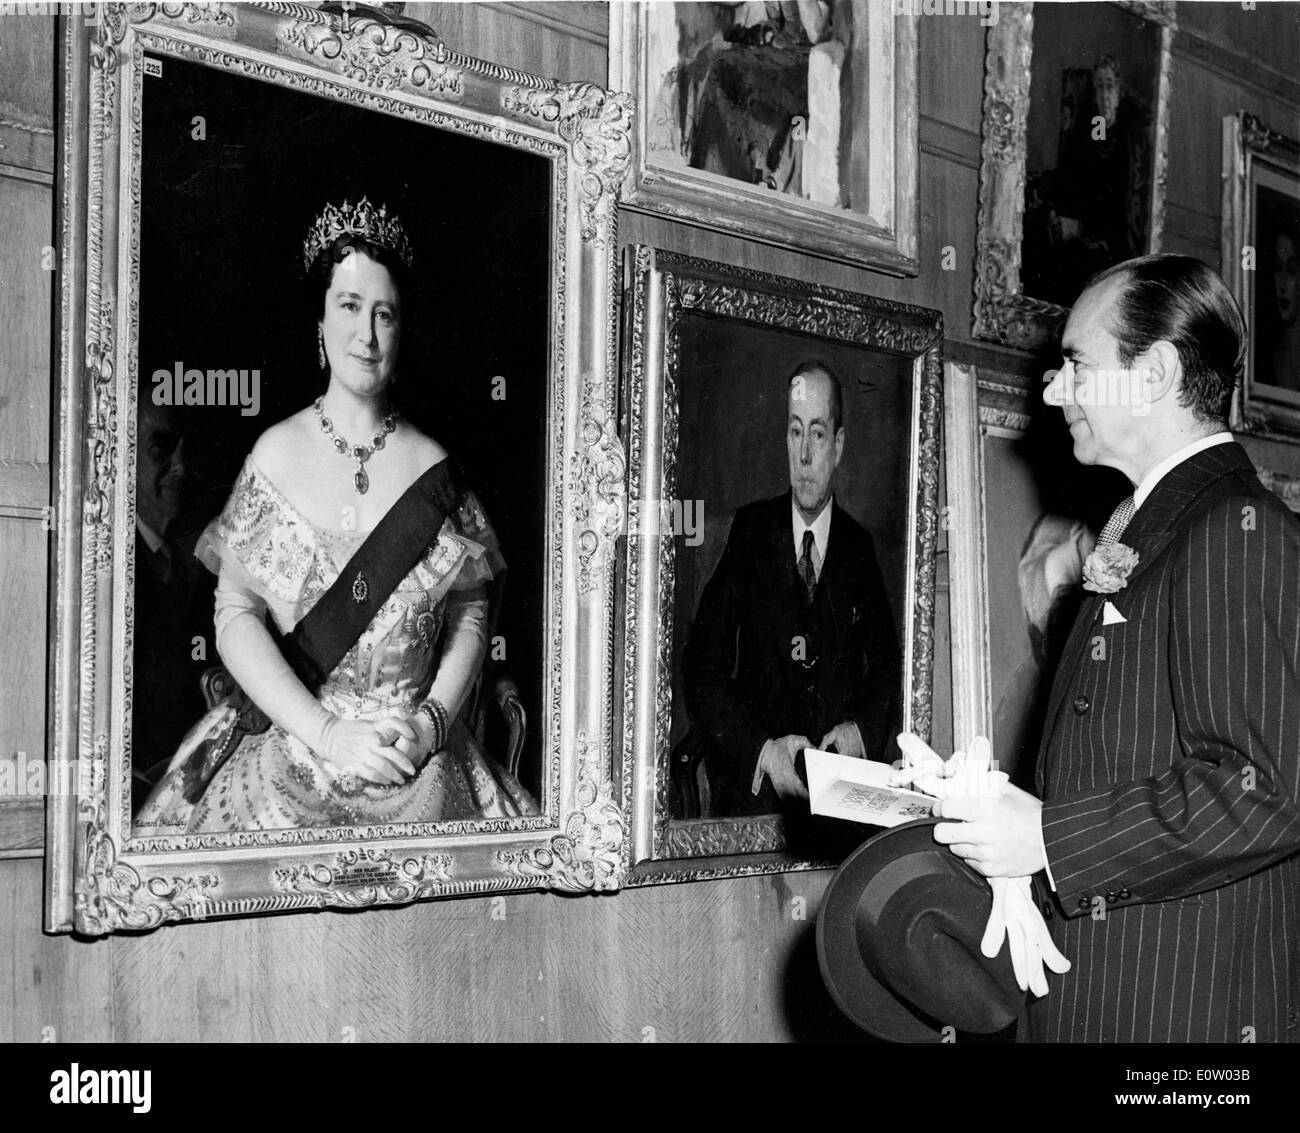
pixel 212 139
pixel 1074 157
pixel 792 123
pixel 710 594
pixel 1261 261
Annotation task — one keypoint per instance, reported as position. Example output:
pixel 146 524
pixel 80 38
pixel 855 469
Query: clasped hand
pixel 997 829
pixel 777 758
pixel 380 751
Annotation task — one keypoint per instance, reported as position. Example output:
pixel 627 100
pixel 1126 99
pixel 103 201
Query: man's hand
pixel 1001 836
pixel 777 760
pixel 846 739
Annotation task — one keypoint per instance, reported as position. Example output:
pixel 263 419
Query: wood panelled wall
pixel 706 961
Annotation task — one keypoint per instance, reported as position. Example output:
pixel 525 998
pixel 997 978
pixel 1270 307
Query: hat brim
pixel 862 997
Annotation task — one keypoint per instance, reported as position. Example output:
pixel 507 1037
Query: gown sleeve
pixel 262 557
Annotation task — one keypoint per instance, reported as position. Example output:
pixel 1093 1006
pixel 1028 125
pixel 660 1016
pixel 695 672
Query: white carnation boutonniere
pixel 1107 569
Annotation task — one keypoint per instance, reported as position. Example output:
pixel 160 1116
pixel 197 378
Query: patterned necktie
pixel 806 572
pixel 1118 521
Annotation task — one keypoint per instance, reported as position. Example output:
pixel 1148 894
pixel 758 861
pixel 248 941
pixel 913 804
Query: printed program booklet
pixel 859 790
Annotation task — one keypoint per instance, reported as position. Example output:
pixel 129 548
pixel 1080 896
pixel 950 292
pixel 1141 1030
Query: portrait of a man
pixel 173 594
pixel 1090 148
pixel 794 642
pixel 1276 315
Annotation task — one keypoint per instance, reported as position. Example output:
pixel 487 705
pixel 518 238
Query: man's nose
pixel 805 451
pixel 1054 394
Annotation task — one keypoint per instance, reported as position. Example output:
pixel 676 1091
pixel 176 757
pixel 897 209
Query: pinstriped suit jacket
pixel 1170 777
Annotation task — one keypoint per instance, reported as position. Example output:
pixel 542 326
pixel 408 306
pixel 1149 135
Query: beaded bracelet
pixel 433 711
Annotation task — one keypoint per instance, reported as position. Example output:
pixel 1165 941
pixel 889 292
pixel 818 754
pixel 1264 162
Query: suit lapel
pixel 1157 520
pixel 1152 528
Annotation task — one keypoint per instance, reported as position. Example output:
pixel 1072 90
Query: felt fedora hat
pixel 898 940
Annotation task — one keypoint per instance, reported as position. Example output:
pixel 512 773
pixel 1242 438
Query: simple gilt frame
pixel 884 236
pixel 1002 313
pixel 661 287
pixel 1248 147
pixel 99 877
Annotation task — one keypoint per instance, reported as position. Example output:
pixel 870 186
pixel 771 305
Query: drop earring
pixel 320 347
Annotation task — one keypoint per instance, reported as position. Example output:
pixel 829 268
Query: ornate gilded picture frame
pixel 1074 157
pixel 1261 262
pixel 710 360
pixel 189 133
pixel 829 111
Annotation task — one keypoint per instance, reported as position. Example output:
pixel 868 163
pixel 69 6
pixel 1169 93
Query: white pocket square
pixel 1111 616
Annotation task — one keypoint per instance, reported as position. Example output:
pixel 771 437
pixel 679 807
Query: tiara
pixel 372 222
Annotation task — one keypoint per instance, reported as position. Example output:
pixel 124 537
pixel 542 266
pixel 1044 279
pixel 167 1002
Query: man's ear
pixel 1161 370
pixel 839 445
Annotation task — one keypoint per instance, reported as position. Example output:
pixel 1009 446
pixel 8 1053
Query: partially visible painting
pixel 1261 261
pixel 792 122
pixel 1073 166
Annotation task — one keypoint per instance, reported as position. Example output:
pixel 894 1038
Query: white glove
pixel 961 776
pixel 919 759
pixel 1016 917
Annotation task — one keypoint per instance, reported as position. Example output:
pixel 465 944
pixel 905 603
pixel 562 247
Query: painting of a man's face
pixel 814 441
pixel 1105 83
pixel 163 476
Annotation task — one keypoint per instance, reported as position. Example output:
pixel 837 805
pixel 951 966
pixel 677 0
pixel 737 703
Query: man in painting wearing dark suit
pixel 1169 770
pixel 793 644
pixel 173 596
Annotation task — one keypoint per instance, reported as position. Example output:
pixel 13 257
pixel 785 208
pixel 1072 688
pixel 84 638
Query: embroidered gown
pixel 280 562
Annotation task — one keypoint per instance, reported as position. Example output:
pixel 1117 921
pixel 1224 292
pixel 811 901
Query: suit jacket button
pixel 1124 894
pixel 1081 705
pixel 1111 897
pixel 1084 903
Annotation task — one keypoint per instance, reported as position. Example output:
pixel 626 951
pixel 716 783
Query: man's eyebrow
pixel 794 416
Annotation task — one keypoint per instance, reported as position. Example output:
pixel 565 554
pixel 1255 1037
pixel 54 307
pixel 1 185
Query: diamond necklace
pixel 359 453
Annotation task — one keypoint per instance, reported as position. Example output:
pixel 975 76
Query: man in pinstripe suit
pixel 1169 770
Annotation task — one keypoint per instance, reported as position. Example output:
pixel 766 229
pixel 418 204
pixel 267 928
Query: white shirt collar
pixel 820 527
pixel 1172 461
pixel 151 538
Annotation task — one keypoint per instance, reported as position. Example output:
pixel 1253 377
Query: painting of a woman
pixel 353 532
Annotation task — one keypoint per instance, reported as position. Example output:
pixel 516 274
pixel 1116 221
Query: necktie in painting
pixel 806 572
